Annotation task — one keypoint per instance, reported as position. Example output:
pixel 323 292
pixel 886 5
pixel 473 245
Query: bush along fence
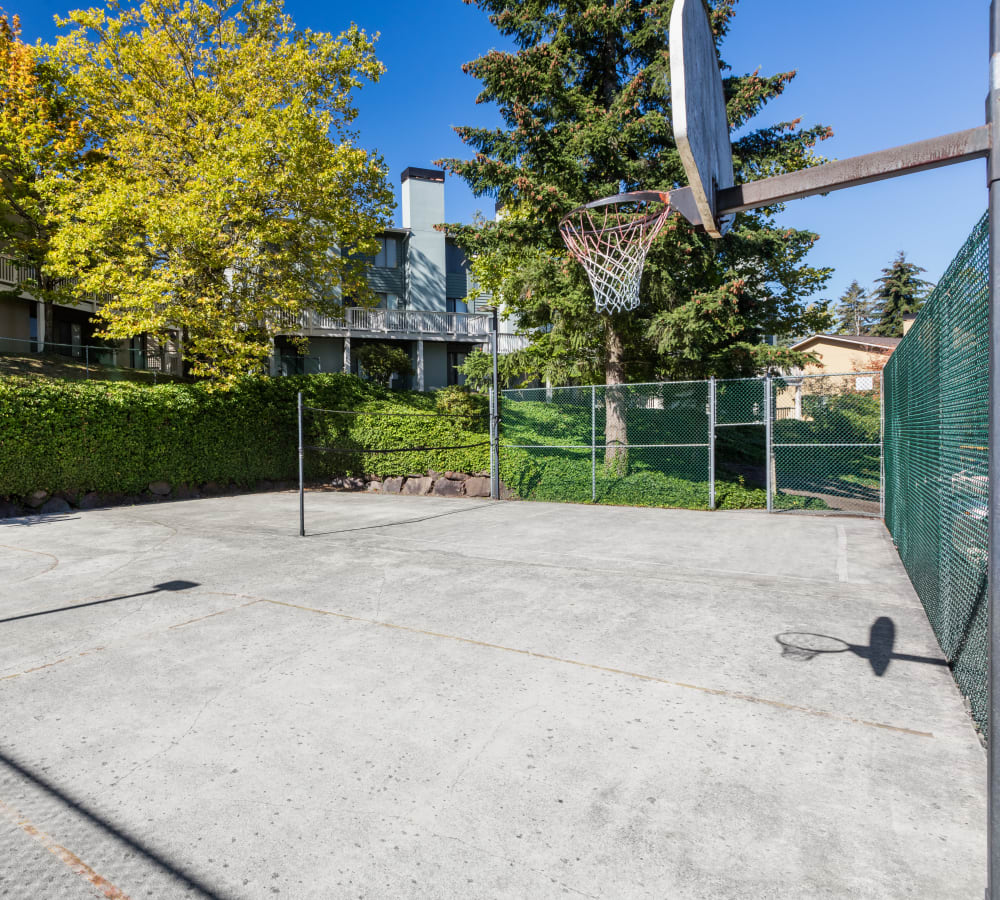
pixel 936 463
pixel 86 443
pixel 804 442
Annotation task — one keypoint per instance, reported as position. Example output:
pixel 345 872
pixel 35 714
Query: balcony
pixel 400 323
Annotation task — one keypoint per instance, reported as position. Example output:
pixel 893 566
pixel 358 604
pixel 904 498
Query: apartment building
pixel 420 276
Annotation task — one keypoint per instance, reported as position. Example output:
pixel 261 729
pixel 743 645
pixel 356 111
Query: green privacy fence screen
pixel 936 396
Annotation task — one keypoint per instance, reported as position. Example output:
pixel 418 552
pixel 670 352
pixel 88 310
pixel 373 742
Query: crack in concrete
pixel 174 742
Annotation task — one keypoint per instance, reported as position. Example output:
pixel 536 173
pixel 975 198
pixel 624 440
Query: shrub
pixel 458 400
pixel 119 436
pixel 381 361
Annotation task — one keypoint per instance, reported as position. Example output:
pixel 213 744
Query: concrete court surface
pixel 430 698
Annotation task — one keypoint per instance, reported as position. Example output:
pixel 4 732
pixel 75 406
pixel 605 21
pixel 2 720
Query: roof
pixel 859 340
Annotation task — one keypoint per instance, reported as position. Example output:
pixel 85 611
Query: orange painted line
pixel 717 692
pixel 211 615
pixel 67 858
pixel 55 662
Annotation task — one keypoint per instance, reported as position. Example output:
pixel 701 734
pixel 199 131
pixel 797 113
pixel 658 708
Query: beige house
pixel 846 357
pixel 839 353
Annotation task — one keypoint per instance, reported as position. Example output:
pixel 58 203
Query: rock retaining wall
pixel 437 484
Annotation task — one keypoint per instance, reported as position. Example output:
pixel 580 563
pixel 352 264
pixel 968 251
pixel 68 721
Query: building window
pixel 449 304
pixel 388 254
pixel 456 358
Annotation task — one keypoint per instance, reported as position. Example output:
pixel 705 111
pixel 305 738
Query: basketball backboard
pixel 699 111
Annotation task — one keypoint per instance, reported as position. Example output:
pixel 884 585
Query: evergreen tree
pixel 585 102
pixel 899 292
pixel 854 311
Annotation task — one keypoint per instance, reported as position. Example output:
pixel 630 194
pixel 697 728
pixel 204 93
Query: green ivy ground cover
pixel 670 477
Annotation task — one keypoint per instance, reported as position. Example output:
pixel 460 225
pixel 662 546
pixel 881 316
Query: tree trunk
pixel 615 433
pixel 48 314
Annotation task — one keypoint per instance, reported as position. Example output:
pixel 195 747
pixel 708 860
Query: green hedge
pixel 118 437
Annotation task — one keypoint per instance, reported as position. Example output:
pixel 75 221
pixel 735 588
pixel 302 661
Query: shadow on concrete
pixel 441 515
pixel 159 588
pixel 190 884
pixel 879 651
pixel 34 518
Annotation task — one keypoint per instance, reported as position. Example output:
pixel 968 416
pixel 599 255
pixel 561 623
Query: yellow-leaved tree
pixel 230 194
pixel 40 132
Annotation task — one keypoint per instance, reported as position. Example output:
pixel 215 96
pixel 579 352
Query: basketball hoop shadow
pixel 806 645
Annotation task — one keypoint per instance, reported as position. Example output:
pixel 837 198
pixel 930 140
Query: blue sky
pixel 880 73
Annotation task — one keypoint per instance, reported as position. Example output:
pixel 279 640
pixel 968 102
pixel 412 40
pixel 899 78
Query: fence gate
pixel 739 434
pixel 826 443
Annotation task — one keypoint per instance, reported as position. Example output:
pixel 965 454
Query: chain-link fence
pixel 636 444
pixel 826 442
pixel 699 444
pixel 936 453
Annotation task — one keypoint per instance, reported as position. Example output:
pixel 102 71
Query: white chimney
pixel 423 208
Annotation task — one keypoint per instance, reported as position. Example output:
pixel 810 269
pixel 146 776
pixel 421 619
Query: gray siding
pixel 458 285
pixel 435 365
pixel 386 281
pixel 330 352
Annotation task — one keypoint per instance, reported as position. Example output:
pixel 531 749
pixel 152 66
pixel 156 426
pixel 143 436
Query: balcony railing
pixel 11 273
pixel 404 321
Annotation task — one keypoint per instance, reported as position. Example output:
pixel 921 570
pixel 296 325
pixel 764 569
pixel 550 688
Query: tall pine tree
pixel 585 103
pixel 854 311
pixel 900 292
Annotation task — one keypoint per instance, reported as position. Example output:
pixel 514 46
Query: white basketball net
pixel 610 239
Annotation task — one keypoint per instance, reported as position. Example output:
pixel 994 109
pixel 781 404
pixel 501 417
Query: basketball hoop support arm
pixel 960 146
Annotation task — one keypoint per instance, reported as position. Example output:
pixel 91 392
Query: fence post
pixel 302 484
pixel 86 361
pixel 593 444
pixel 711 442
pixel 768 445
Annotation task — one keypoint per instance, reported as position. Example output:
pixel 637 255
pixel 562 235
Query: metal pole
pixel 993 180
pixel 495 417
pixel 86 360
pixel 593 444
pixel 711 442
pixel 768 445
pixel 302 483
pixel 493 461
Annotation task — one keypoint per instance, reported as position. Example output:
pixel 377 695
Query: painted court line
pixel 68 859
pixel 63 659
pixel 841 553
pixel 718 692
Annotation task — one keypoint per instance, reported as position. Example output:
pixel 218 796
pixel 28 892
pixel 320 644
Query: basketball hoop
pixel 610 239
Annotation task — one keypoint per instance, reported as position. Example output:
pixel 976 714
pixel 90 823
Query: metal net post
pixel 302 483
pixel 768 443
pixel 495 410
pixel 711 442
